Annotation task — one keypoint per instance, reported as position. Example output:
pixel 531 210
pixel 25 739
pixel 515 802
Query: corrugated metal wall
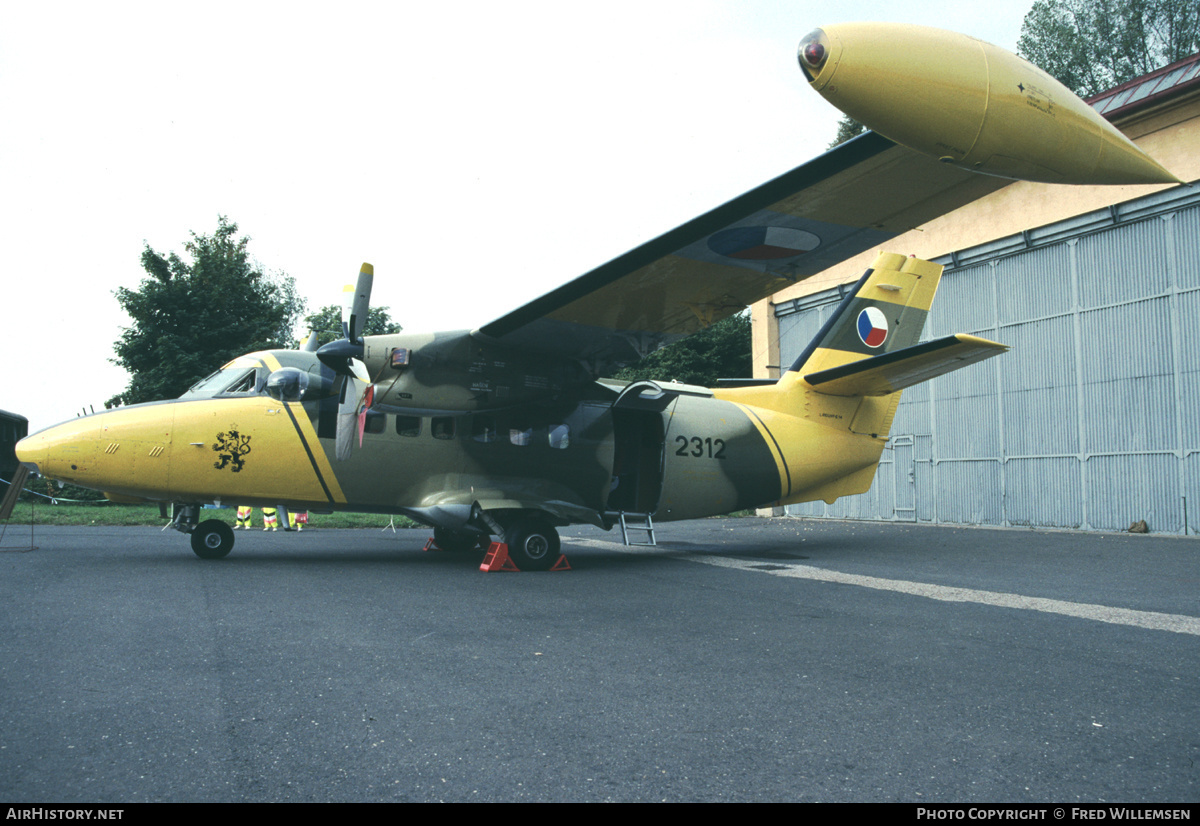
pixel 1092 420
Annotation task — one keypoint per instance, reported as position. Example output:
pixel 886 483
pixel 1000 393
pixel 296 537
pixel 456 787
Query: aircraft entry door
pixel 638 448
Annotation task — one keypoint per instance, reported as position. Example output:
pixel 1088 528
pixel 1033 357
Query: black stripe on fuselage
pixel 782 457
pixel 308 450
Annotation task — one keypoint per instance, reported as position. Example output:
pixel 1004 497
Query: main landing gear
pixel 458 541
pixel 533 544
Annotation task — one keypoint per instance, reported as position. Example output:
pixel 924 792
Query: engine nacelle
pixel 971 104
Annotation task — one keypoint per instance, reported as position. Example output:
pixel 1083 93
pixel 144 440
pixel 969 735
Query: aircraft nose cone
pixel 63 451
pixel 31 452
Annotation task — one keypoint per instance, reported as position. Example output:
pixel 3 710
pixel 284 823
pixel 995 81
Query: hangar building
pixel 1092 420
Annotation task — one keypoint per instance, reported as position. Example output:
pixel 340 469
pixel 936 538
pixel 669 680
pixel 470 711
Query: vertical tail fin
pixel 885 311
pixel 828 416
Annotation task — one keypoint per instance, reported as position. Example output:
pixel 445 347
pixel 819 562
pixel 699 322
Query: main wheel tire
pixel 533 544
pixel 455 541
pixel 212 539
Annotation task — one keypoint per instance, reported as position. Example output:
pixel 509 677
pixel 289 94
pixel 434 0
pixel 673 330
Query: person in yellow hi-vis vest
pixel 243 518
pixel 270 519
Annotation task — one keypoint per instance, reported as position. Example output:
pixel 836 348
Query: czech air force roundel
pixel 762 243
pixel 872 327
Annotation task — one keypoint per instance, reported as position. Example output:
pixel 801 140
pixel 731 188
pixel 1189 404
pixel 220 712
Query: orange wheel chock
pixel 497 559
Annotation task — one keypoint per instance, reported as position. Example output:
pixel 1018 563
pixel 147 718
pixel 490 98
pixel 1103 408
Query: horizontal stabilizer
pixel 903 368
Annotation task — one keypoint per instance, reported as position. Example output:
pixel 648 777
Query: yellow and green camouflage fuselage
pixel 459 426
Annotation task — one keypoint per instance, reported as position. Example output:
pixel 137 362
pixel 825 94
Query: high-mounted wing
pixel 850 199
pixel 954 106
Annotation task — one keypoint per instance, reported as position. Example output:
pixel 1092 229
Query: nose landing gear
pixel 211 539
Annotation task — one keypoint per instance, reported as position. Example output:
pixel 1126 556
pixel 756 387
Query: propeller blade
pixel 356 302
pixel 358 396
pixel 341 355
pixel 347 417
pixel 367 401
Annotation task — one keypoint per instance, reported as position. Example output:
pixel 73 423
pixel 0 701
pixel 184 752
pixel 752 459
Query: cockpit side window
pixel 246 383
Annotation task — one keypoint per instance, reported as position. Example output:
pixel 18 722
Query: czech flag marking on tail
pixel 872 327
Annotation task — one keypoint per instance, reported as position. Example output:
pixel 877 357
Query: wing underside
pixel 850 199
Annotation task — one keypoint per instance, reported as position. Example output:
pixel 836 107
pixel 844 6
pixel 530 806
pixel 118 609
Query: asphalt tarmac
pixel 740 660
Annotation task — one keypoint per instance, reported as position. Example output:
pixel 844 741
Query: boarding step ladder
pixel 635 522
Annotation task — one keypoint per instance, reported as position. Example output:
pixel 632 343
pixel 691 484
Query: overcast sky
pixel 477 153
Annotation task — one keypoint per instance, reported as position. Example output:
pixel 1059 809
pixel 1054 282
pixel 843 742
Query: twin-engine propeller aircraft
pixel 509 430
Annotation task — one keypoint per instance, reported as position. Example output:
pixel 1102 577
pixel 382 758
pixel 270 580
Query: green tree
pixel 847 128
pixel 327 322
pixel 190 317
pixel 721 351
pixel 1094 45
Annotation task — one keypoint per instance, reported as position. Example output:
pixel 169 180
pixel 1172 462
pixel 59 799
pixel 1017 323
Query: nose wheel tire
pixel 212 539
pixel 533 544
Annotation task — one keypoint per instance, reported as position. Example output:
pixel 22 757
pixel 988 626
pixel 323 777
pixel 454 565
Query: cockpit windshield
pixel 240 377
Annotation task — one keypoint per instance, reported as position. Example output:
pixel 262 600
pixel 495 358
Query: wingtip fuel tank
pixel 970 104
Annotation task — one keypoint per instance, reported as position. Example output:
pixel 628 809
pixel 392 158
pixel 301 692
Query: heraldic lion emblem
pixel 231 449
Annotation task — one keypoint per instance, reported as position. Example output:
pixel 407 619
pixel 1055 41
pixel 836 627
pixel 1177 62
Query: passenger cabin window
pixel 375 423
pixel 442 427
pixel 408 425
pixel 520 436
